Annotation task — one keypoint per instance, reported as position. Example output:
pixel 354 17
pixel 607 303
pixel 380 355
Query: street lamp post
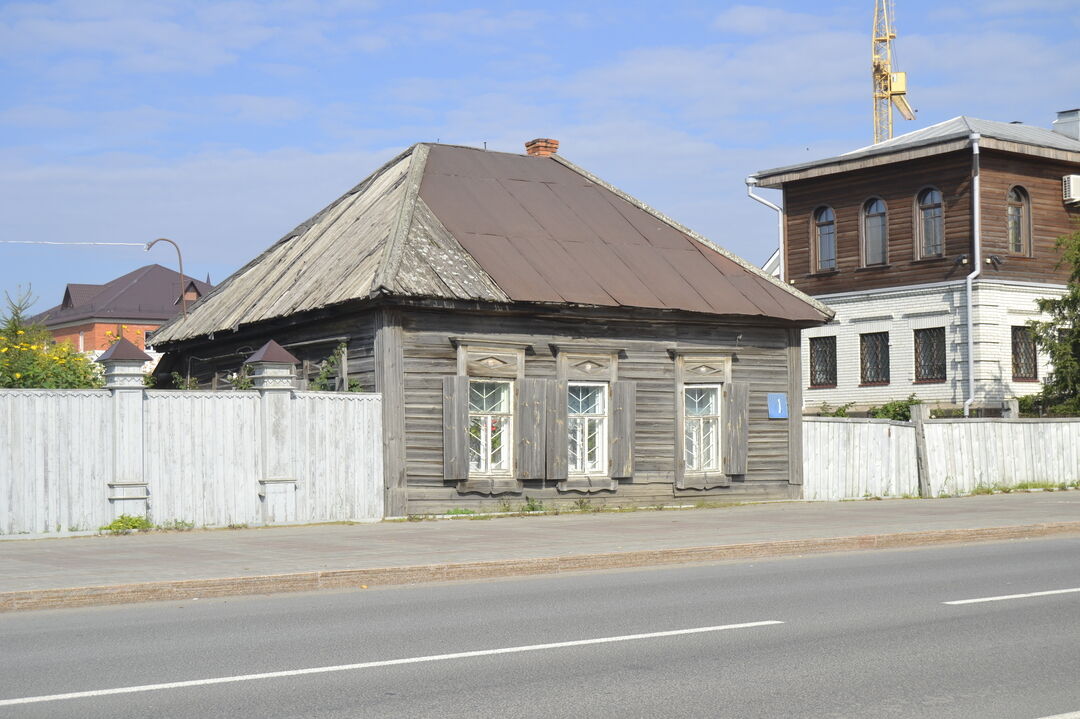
pixel 180 260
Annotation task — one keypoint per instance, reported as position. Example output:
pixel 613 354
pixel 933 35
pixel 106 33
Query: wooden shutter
pixel 557 440
pixel 455 427
pixel 530 425
pixel 736 432
pixel 623 419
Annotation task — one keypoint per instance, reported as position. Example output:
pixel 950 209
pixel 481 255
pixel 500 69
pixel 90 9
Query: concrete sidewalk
pixel 83 571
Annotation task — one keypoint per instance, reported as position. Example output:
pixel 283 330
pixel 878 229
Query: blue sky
pixel 222 125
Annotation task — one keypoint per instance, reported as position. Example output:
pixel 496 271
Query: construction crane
pixel 890 88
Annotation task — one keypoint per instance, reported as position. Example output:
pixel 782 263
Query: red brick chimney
pixel 542 147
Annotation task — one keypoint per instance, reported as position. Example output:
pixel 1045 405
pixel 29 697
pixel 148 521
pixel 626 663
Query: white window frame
pixel 484 468
pixel 689 420
pixel 582 468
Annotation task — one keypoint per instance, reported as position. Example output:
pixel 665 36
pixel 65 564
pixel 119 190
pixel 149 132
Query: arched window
pixel 1018 217
pixel 874 221
pixel 930 226
pixel 825 238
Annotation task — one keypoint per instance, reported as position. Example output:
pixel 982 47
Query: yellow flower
pixel 33 347
pixel 3 349
pixel 19 332
pixel 18 375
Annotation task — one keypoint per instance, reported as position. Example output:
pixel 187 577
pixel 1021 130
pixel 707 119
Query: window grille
pixel 822 361
pixel 1025 364
pixel 874 357
pixel 701 446
pixel 930 355
pixel 490 427
pixel 587 419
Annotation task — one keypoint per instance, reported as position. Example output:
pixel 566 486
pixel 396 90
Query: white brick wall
pixel 997 306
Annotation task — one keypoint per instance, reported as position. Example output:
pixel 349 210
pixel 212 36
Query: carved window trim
pixel 503 360
pixel 702 366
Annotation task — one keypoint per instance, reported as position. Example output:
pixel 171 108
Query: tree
pixel 1059 336
pixel 30 358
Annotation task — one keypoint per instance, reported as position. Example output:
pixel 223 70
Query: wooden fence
pixel 73 460
pixel 849 458
pixel 846 458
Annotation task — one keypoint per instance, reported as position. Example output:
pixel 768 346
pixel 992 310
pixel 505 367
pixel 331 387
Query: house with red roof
pixel 91 317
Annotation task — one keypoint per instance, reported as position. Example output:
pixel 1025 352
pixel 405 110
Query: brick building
pixel 90 316
pixel 932 248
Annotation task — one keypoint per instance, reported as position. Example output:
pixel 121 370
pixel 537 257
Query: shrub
pixel 898 410
pixel 30 358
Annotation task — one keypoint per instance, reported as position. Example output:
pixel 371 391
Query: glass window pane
pixel 500 455
pixel 875 239
pixel 701 401
pixel 586 399
pixel 489 396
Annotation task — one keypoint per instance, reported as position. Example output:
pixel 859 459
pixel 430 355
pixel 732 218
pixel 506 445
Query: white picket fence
pixel 73 460
pixel 849 458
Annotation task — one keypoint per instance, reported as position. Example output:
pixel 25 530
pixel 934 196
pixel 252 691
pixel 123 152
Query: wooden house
pixel 932 248
pixel 534 332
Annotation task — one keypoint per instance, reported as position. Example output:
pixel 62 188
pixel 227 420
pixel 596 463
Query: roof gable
pixel 450 222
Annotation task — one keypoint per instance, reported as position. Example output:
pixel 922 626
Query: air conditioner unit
pixel 1070 189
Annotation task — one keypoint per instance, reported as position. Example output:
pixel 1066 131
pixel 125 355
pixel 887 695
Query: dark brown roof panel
pixel 548 233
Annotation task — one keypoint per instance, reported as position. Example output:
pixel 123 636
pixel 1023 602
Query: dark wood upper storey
pixel 925 192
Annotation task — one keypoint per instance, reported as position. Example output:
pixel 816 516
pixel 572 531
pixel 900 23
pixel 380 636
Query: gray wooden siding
pixel 761 361
pixel 310 342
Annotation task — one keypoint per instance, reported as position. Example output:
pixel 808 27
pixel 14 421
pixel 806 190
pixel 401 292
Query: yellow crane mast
pixel 890 88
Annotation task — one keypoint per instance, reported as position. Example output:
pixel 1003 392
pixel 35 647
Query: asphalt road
pixel 842 635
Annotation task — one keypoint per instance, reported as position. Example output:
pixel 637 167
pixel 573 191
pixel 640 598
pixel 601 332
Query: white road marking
pixel 373 665
pixel 1016 596
pixel 1070 715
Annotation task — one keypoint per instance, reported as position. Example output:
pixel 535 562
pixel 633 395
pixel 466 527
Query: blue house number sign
pixel 778 405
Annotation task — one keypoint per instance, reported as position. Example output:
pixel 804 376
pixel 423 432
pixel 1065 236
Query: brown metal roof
pixel 149 293
pixel 460 223
pixel 546 232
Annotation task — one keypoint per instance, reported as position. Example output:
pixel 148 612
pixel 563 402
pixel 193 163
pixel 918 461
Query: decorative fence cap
pixel 123 351
pixel 272 352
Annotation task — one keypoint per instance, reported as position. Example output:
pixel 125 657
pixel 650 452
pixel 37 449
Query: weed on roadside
pixel 532 504
pixel 176 525
pixel 126 523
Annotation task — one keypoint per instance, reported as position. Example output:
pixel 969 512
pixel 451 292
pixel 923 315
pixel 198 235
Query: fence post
pixel 1011 409
pixel 272 374
pixel 919 414
pixel 128 492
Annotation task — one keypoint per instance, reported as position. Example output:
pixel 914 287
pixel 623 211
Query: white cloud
pixel 758 20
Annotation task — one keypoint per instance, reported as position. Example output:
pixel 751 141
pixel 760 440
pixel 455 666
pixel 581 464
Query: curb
pixel 421 574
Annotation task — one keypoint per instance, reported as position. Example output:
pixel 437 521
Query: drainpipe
pixel 751 183
pixel 976 254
